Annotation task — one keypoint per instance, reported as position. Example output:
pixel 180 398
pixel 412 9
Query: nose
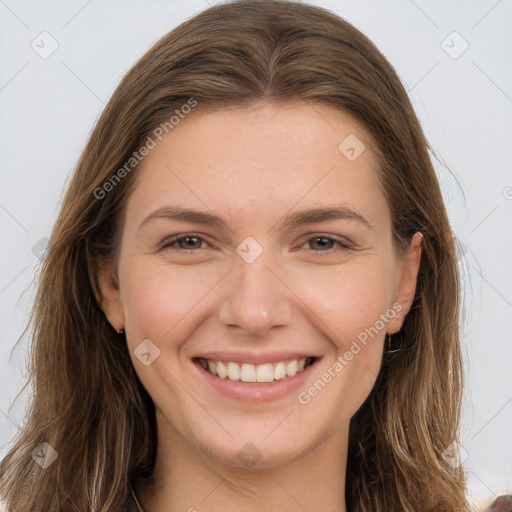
pixel 257 297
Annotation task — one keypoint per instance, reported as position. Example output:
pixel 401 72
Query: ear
pixel 108 295
pixel 406 278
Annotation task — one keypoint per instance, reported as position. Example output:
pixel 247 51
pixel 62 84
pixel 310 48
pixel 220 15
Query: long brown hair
pixel 88 403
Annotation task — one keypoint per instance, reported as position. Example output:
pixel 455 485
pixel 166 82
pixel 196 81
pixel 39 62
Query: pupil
pixel 325 241
pixel 187 239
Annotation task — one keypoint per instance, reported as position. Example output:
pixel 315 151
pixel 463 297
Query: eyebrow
pixel 289 221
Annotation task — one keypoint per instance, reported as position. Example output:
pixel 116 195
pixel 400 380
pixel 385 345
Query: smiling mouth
pixel 248 372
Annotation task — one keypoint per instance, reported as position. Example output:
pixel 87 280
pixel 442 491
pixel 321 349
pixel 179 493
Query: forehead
pixel 248 159
pixel 289 129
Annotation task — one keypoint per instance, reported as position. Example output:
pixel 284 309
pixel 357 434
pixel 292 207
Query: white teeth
pixel 280 371
pixel 292 368
pixel 264 373
pixel 247 372
pixel 221 370
pixel 211 367
pixel 233 371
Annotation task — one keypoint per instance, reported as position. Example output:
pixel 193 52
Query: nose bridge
pixel 256 300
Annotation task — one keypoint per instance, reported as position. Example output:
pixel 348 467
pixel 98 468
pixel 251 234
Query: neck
pixel 187 478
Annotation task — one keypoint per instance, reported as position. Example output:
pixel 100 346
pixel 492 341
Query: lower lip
pixel 258 392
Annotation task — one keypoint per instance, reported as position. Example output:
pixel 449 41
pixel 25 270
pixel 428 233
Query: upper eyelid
pixel 176 238
pixel 342 241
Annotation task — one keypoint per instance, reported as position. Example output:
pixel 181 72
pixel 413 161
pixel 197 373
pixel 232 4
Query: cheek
pixel 348 298
pixel 340 300
pixel 157 297
pixel 342 303
pixel 352 305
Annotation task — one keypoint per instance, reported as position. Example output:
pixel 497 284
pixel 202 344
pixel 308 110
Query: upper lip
pixel 254 358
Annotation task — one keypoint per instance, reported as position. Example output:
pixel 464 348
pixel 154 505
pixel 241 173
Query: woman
pixel 250 297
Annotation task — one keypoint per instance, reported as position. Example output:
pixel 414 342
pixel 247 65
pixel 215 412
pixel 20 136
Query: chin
pixel 257 451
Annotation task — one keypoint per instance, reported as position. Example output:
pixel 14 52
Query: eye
pixel 325 244
pixel 184 243
pixel 192 243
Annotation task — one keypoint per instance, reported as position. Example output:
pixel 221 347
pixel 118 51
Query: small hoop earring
pixel 393 345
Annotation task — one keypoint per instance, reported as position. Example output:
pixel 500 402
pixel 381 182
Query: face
pixel 257 248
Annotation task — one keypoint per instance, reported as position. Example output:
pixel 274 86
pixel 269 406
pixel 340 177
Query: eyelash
pixel 344 246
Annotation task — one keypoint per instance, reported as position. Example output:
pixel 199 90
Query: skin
pixel 253 166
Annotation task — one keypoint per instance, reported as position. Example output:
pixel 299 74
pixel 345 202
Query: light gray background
pixel 463 99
